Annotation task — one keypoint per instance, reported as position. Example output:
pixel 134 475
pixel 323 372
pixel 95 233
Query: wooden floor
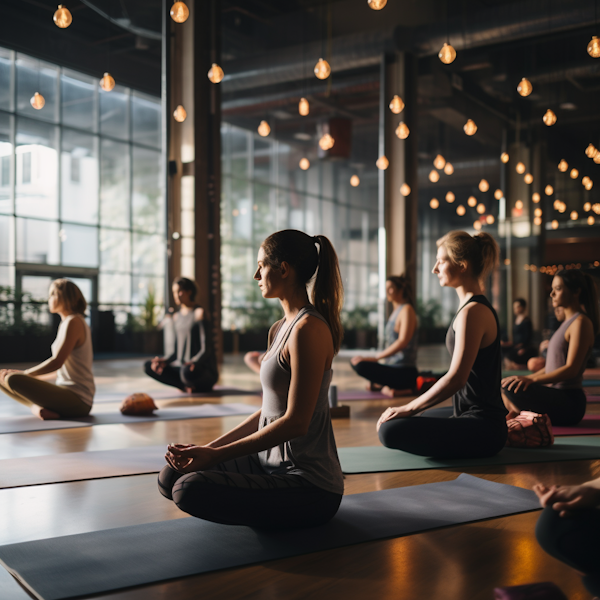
pixel 454 563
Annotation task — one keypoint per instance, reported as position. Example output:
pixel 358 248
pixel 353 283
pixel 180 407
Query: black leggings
pixel 200 380
pixel 574 540
pixel 564 407
pixel 435 433
pixel 240 492
pixel 398 378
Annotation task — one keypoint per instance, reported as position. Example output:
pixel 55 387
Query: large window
pixel 80 181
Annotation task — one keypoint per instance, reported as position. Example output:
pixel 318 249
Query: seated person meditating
pixel 556 389
pixel 279 469
pixel 478 428
pixel 399 370
pixel 569 527
pixel 539 362
pixel 192 367
pixel 70 364
pixel 520 350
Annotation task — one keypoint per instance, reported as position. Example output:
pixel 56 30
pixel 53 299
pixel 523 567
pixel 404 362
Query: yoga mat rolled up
pixel 102 561
pixel 378 459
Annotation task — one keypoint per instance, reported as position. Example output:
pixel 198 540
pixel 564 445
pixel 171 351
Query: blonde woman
pixel 71 363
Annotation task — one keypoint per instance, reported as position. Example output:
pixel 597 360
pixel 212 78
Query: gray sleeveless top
pixel 407 357
pixel 312 456
pixel 557 357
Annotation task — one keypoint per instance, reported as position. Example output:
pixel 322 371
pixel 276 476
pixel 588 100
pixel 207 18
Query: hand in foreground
pixel 5 372
pixel 191 365
pixel 158 365
pixel 567 498
pixel 187 458
pixel 516 383
pixel 356 359
pixel 394 412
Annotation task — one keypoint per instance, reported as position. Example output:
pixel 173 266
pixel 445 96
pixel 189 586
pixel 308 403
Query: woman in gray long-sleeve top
pixel 192 366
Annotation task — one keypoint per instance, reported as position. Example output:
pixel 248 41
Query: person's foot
pixel 44 413
pixel 392 393
pixel 189 390
pixel 374 387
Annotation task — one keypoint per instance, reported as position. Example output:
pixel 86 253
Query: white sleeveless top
pixel 76 372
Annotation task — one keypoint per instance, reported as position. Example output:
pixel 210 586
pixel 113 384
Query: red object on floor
pixel 424 383
pixel 532 591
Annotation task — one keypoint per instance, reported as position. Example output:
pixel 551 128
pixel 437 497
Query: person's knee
pixel 166 480
pixel 148 368
pixel 391 432
pixel 536 363
pixel 548 530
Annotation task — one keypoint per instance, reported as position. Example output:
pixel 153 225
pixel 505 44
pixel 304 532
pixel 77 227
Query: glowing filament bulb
pixel 448 169
pixel 461 210
pixel 593 48
pixel 303 107
pixel 590 151
pixel 519 205
pixel 549 190
pixel 37 101
pixel 574 215
pixel 537 221
pixel 322 69
pixel 62 17
pixel 264 129
pixel 537 212
pixel 107 83
pixel 585 180
pixel 304 163
pixel 470 128
pixel 520 168
pixel 450 197
pixel 504 157
pixel 447 54
pixel 525 88
pixel 402 131
pixel 589 185
pixel 179 12
pixel 326 142
pixel 484 186
pixel 535 198
pixel 549 118
pixel 434 203
pixel 439 162
pixel 597 158
pixel 382 163
pixel 591 220
pixel 587 206
pixel 563 165
pixel 354 181
pixel 434 176
pixel 477 225
pixel 480 208
pixel 472 201
pixel 528 178
pixel 405 189
pixel 180 114
pixel 376 4
pixel 396 105
pixel 490 219
pixel 215 73
pixel 574 174
pixel 554 224
pixel 498 194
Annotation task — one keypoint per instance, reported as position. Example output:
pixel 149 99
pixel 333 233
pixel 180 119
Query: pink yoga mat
pixel 589 426
pixel 593 399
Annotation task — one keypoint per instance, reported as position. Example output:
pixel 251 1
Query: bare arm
pixel 74 337
pixel 406 324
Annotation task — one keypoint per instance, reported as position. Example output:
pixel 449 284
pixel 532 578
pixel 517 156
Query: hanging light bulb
pixel 519 204
pixel 590 151
pixel 62 17
pixel 326 142
pixel 434 203
pixel 504 157
pixel 597 158
pixel 537 221
pixel 405 189
pixel 528 179
pixel 447 54
pixel 556 204
pixel 448 169
pixel 498 194
pixel 263 129
pixel 470 128
pixel 303 107
pixel 563 165
pixel 461 210
pixel 593 48
pixel 554 224
pixel 587 206
pixel 535 198
pixel 396 105
pixel 434 176
pixel 322 69
pixel 477 225
pixel 304 163
pixel 549 118
pixel 520 168
pixel 354 181
pixel 179 12
pixel 107 83
pixel 585 180
pixel 382 163
pixel 525 88
pixel 490 219
pixel 589 185
pixel 180 114
pixel 450 197
pixel 402 131
pixel 472 201
pixel 549 190
pixel 574 174
pixel 574 215
pixel 537 212
pixel 37 101
pixel 591 220
pixel 377 4
pixel 484 186
pixel 439 162
pixel 562 208
pixel 215 73
pixel 481 208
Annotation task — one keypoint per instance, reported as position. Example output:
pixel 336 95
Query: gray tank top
pixel 312 456
pixel 407 357
pixel 557 356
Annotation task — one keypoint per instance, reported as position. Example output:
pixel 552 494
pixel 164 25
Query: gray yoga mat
pixel 17 424
pixel 378 459
pixel 79 466
pixel 102 561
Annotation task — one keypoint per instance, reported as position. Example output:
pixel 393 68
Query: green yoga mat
pixel 378 459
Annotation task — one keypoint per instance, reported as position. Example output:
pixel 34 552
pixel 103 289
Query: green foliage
pixel 259 316
pixel 21 313
pixel 149 310
pixel 429 313
pixel 357 318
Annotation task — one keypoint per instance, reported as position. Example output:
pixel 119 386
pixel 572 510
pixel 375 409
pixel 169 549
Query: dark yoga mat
pixel 12 424
pixel 79 466
pixel 102 561
pixel 175 394
pixel 378 459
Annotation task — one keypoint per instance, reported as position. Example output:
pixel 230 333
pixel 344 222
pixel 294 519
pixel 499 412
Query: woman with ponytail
pixel 279 469
pixel 478 428
pixel 556 389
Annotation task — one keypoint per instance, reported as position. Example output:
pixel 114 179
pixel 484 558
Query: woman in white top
pixel 71 363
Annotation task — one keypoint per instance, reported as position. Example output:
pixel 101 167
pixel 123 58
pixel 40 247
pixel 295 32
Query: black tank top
pixel 481 396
